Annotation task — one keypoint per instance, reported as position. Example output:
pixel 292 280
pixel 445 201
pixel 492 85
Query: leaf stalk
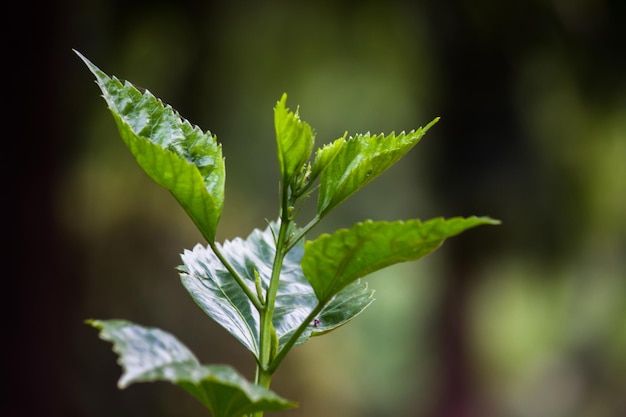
pixel 251 295
pixel 282 353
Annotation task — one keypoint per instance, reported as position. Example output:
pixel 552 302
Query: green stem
pixel 251 295
pixel 263 375
pixel 267 329
pixel 302 232
pixel 294 338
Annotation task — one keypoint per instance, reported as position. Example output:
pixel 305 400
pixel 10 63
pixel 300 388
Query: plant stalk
pixel 294 338
pixel 251 295
pixel 268 341
pixel 267 364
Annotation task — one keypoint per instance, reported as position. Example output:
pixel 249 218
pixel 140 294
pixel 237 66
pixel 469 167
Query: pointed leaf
pixel 324 155
pixel 217 294
pixel 150 354
pixel 333 261
pixel 294 140
pixel 175 154
pixel 359 160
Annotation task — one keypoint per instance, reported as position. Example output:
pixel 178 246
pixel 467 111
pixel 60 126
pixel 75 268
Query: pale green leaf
pixel 358 161
pixel 150 354
pixel 175 154
pixel 333 261
pixel 324 155
pixel 294 139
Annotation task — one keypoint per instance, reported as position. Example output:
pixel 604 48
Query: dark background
pixel 524 319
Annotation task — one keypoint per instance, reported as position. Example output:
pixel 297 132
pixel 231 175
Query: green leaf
pixel 296 299
pixel 217 294
pixel 333 261
pixel 294 139
pixel 324 155
pixel 341 308
pixel 358 161
pixel 175 154
pixel 150 354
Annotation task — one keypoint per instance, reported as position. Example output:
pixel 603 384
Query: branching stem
pixel 268 334
pixel 294 338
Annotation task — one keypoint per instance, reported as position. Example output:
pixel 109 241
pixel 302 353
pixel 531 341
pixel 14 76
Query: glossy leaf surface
pixel 150 354
pixel 216 293
pixel 357 161
pixel 333 261
pixel 175 154
pixel 294 140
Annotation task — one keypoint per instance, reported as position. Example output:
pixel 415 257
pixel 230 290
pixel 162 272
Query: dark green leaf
pixel 358 161
pixel 218 295
pixel 294 140
pixel 175 154
pixel 150 354
pixel 333 261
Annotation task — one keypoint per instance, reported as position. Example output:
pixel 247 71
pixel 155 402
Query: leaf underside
pixel 216 293
pixel 150 354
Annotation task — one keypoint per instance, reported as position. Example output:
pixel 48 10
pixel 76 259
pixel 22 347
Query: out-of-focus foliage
pixel 532 131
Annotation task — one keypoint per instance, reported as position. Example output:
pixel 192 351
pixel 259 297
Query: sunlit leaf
pixel 218 295
pixel 333 261
pixel 175 154
pixel 150 354
pixel 358 161
pixel 294 139
pixel 324 155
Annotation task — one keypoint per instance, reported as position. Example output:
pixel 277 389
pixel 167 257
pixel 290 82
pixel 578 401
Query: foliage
pixel 274 289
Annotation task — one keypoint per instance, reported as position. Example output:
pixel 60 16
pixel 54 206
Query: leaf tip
pixel 283 101
pixel 432 123
pixel 83 58
pixel 96 324
pixel 486 220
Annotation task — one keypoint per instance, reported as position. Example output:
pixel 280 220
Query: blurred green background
pixel 525 319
